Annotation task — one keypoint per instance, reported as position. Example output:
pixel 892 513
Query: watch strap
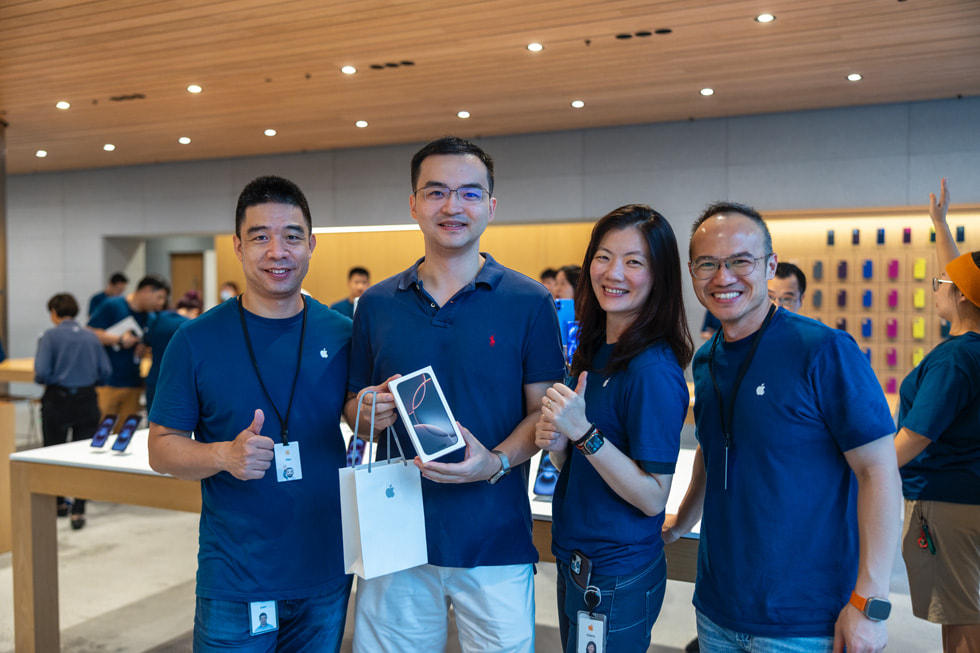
pixel 592 442
pixel 504 467
pixel 873 608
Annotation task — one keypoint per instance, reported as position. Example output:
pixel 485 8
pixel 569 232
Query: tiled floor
pixel 127 586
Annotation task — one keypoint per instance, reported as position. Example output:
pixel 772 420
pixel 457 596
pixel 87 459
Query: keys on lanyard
pixel 925 539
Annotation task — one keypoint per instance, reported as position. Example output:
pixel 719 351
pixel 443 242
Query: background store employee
pixel 245 377
pixel 491 335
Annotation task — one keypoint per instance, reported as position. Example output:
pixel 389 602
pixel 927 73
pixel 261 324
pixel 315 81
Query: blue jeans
pixel 630 603
pixel 715 639
pixel 311 624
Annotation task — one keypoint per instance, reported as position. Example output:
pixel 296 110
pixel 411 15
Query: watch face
pixel 878 609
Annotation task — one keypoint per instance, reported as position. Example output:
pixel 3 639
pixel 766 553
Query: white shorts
pixel 409 610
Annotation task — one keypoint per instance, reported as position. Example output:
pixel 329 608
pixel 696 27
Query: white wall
pixel 889 155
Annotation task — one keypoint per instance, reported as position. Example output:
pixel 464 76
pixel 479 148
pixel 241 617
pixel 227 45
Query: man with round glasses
pixel 788 286
pixel 491 336
pixel 795 550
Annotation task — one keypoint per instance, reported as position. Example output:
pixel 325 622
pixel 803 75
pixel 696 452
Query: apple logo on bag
pixel 390 492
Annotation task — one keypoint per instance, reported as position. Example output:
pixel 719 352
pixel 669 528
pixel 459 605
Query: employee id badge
pixel 263 617
pixel 288 466
pixel 591 633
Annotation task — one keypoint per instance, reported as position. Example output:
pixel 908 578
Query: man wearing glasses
pixel 491 335
pixel 794 550
pixel 788 286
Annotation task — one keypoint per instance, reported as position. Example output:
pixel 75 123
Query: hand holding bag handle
pixel 388 432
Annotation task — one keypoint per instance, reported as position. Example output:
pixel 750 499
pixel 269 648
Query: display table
pixel 72 469
pixel 12 370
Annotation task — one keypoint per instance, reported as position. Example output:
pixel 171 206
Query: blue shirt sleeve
pixel 175 403
pixel 543 359
pixel 848 395
pixel 42 360
pixel 655 405
pixel 945 390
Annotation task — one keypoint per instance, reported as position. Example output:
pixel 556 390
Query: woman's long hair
pixel 661 317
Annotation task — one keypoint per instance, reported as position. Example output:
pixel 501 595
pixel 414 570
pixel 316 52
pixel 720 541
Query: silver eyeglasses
pixel 467 194
pixel 936 281
pixel 739 265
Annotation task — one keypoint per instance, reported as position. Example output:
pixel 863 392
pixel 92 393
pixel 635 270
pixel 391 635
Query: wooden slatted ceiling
pixel 275 63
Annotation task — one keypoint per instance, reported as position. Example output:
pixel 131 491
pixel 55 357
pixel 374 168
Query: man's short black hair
pixel 154 281
pixel 451 145
pixel 274 190
pixel 118 277
pixel 357 270
pixel 784 270
pixel 548 273
pixel 63 304
pixel 733 207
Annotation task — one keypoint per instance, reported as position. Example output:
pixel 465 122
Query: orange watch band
pixel 858 601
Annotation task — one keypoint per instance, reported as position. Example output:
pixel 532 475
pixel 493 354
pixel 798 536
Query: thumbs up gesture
pixel 250 453
pixel 564 408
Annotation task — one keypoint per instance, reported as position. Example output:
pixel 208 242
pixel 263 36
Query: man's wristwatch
pixel 873 608
pixel 504 467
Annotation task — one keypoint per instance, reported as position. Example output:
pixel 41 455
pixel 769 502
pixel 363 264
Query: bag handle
pixel 389 431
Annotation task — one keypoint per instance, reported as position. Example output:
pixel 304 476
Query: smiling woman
pixel 608 504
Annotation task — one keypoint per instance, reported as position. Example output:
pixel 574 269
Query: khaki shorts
pixel 945 587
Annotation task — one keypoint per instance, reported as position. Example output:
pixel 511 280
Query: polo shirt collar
pixel 489 275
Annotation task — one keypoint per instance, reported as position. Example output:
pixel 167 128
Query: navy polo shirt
pixel 125 367
pixel 160 329
pixel 940 399
pixel 496 335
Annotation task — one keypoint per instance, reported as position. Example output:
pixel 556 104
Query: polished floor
pixel 127 586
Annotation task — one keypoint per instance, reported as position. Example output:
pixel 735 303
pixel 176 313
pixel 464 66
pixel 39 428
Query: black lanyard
pixel 283 423
pixel 728 417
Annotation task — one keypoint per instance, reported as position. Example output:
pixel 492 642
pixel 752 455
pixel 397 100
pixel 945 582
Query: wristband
pixel 588 434
pixel 872 607
pixel 592 442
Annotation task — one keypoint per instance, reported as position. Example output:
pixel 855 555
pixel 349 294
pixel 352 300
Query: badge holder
pixel 388 432
pixel 591 626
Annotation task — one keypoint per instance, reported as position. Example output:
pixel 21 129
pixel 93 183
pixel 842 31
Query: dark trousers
pixel 64 409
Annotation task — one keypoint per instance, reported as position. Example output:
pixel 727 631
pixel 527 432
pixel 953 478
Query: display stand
pixel 12 370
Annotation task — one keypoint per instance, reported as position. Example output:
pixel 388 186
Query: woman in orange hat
pixel 938 447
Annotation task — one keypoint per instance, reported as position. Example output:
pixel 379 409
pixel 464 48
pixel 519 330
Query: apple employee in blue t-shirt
pixel 624 419
pixel 938 448
pixel 260 381
pixel 796 470
pixel 491 335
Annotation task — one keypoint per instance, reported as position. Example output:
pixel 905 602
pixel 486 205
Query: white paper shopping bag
pixel 383 518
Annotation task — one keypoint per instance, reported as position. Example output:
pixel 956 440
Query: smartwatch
pixel 591 442
pixel 873 608
pixel 504 467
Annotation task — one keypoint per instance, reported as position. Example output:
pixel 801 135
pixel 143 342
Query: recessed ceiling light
pixel 108 147
pixel 194 88
pixel 765 18
pixel 183 140
pixel 361 124
pixel 41 154
pixel 854 77
pixel 578 104
pixel 707 91
pixel 348 70
pixel 63 105
pixel 535 47
pixel 270 132
pixel 463 114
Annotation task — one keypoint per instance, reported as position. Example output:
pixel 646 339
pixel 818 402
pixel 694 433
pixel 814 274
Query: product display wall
pixel 871 275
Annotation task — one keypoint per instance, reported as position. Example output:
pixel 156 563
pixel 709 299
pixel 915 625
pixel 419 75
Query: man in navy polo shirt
pixel 261 381
pixel 796 471
pixel 491 336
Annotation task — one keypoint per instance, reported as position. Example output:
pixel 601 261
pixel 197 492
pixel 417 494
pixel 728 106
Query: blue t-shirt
pixel 940 399
pixel 70 356
pixel 125 365
pixel 641 411
pixel 493 337
pixel 262 539
pixel 96 301
pixel 345 307
pixel 160 328
pixel 778 553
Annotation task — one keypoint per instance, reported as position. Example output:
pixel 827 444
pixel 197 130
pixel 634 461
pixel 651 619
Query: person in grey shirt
pixel 70 362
